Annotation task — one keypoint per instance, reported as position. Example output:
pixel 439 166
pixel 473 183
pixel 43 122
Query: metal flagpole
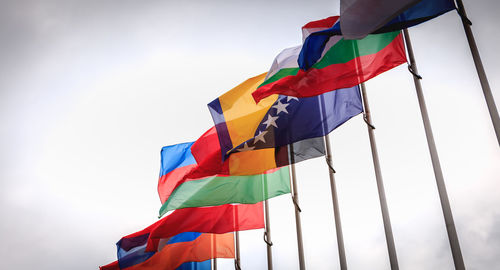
pixel 492 108
pixel 380 183
pixel 214 252
pixel 237 265
pixel 295 200
pixel 336 211
pixel 267 237
pixel 443 196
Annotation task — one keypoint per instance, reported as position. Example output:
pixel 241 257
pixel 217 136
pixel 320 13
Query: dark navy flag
pixel 423 11
pixel 132 251
pixel 301 121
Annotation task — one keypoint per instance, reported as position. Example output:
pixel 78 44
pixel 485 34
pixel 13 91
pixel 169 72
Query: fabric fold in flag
pixel 342 64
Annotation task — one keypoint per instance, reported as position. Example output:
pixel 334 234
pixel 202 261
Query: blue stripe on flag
pixel 176 156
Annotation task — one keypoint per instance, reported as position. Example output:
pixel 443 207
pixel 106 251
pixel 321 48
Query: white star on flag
pixel 260 137
pixel 246 148
pixel 271 121
pixel 288 98
pixel 281 107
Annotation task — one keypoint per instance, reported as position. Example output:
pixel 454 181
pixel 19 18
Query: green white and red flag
pixel 343 64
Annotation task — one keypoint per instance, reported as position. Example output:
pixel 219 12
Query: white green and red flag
pixel 343 63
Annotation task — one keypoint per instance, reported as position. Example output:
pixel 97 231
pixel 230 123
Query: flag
pixel 215 219
pixel 287 121
pixel 342 64
pixel 189 247
pixel 421 12
pixel 225 189
pixel 297 119
pixel 198 167
pixel 361 17
pixel 237 118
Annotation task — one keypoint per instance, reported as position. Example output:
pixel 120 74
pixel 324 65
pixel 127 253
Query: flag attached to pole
pixel 342 64
pixel 298 119
pixel 421 12
pixel 215 219
pixel 189 247
pixel 358 18
pixel 237 118
pixel 219 190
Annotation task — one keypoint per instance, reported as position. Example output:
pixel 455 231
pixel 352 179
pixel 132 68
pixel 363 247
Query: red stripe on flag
pixel 112 266
pixel 216 219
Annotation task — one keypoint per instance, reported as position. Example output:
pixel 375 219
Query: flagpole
pixel 443 196
pixel 267 236
pixel 214 252
pixel 336 211
pixel 237 265
pixel 490 102
pixel 295 200
pixel 380 184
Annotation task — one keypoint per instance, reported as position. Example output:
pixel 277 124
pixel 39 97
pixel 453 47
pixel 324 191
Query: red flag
pixel 216 219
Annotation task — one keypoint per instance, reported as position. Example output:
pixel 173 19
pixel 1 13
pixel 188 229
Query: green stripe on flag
pixel 219 190
pixel 342 52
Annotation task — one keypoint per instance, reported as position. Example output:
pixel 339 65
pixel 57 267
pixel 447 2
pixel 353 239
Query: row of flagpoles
pixel 138 250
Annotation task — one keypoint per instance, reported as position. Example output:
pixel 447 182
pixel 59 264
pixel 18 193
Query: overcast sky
pixel 91 90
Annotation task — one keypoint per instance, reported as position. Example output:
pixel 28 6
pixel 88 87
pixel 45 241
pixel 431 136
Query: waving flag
pixel 215 219
pixel 421 12
pixel 286 121
pixel 342 64
pixel 292 119
pixel 237 118
pixel 361 17
pixel 189 247
pixel 193 174
pixel 219 190
pixel 172 252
